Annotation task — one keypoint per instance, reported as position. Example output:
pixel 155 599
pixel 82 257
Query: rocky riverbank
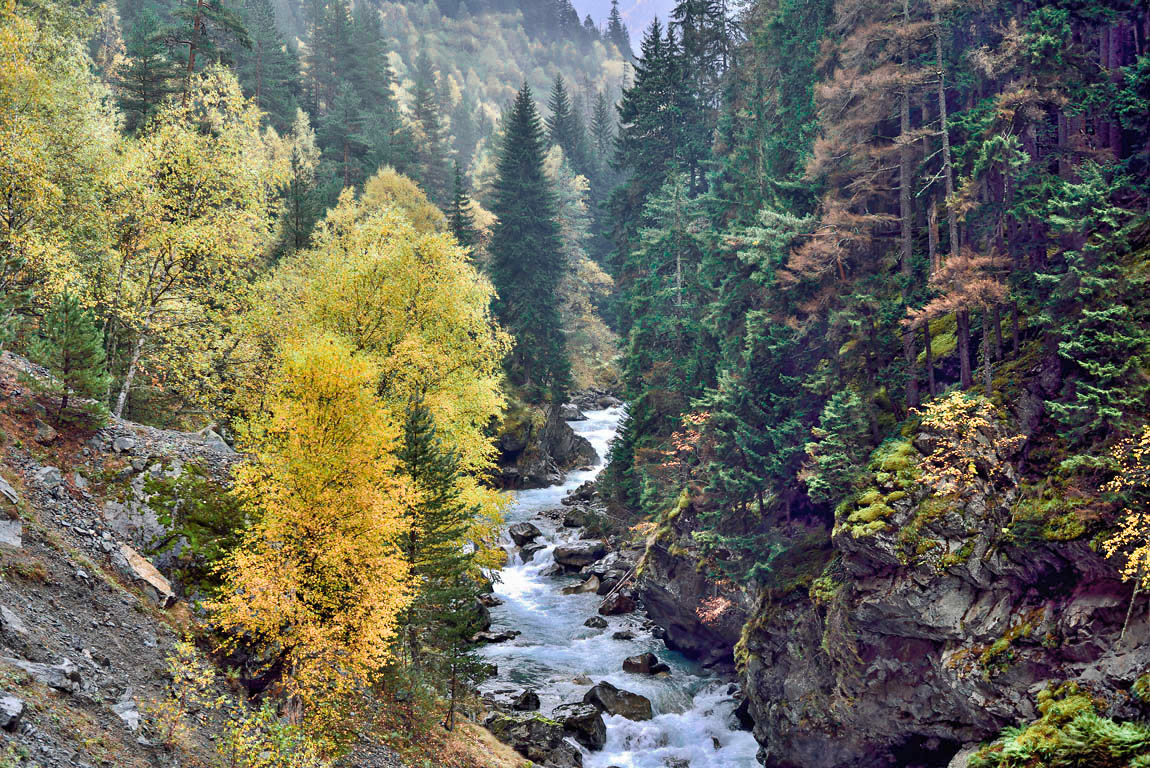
pixel 584 679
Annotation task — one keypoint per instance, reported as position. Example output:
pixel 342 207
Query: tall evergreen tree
pixel 149 75
pixel 267 68
pixel 526 255
pixel 602 131
pixel 430 137
pixel 459 216
pixel 565 128
pixel 617 31
pixel 206 28
pixel 444 614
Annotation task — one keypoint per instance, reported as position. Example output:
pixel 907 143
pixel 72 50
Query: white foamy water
pixel 693 712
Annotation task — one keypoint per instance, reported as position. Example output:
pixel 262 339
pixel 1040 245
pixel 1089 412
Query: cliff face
pixel 537 446
pixel 699 617
pixel 923 623
pixel 936 631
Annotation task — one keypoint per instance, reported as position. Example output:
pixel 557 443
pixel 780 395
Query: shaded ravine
pixel 693 711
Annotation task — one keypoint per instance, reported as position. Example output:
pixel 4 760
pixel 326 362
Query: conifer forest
pixel 574 384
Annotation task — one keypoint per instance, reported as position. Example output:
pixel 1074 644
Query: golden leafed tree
pixel 320 577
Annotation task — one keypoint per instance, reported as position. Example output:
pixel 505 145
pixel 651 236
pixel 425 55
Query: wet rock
pixel 523 533
pixel 623 634
pixel 596 622
pixel 644 664
pixel 495 637
pixel 581 495
pixel 564 756
pixel 588 586
pixel 608 401
pixel 614 701
pixel 529 551
pixel 616 604
pixel 578 554
pixel 676 762
pixel 482 615
pixel 45 433
pixel 609 581
pixel 11 534
pixel 571 412
pixel 742 715
pixel 528 701
pixel 489 600
pixel 528 733
pixel 11 710
pixel 584 722
pixel 145 575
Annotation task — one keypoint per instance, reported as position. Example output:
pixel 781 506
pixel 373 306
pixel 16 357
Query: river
pixel 693 712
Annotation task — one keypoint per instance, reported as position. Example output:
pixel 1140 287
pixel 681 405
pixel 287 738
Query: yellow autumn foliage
pixel 390 188
pixel 1131 541
pixel 320 576
pixel 409 301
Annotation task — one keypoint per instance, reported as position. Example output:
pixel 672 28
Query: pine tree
pixel 444 614
pixel 565 129
pixel 267 68
pixel 341 135
pixel 602 130
pixel 430 137
pixel 208 27
pixel 71 347
pixel 149 75
pixel 459 216
pixel 301 205
pixel 617 31
pixel 838 450
pixel 526 255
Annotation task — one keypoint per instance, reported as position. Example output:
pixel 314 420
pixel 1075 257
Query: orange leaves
pixel 970 279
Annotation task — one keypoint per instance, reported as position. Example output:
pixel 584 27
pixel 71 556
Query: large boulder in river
pixel 584 722
pixel 528 701
pixel 614 701
pixel 644 664
pixel 571 412
pixel 524 533
pixel 588 586
pixel 528 551
pixel 528 733
pixel 578 554
pixel 616 604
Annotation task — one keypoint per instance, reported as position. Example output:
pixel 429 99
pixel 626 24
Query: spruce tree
pixel 602 130
pixel 149 75
pixel 459 217
pixel 71 347
pixel 526 255
pixel 445 613
pixel 431 139
pixel 617 31
pixel 267 68
pixel 565 129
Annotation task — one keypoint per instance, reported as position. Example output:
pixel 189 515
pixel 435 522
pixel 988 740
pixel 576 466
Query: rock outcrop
pixel 537 446
pixel 935 630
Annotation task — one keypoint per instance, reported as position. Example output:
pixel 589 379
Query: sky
pixel 636 13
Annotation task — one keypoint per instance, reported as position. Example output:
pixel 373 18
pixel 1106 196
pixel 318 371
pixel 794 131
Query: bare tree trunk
pixel 944 133
pixel 962 331
pixel 906 217
pixel 987 372
pixel 930 387
pixel 197 24
pixel 122 398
